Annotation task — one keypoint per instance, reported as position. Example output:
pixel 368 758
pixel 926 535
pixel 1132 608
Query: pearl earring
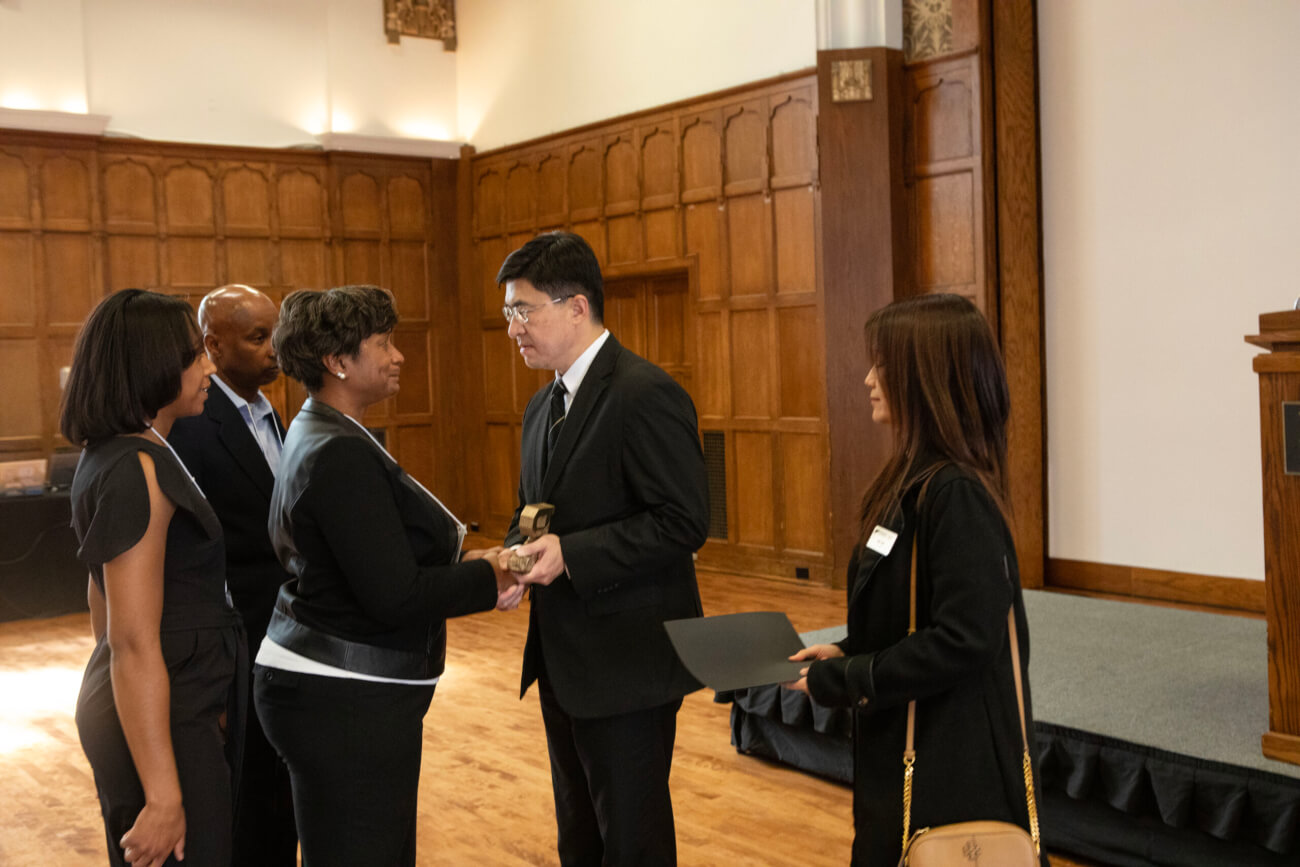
pixel 341 375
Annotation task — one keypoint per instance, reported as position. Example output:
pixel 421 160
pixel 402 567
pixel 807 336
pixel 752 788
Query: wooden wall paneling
pixel 489 200
pixel 304 264
pixel 552 183
pixel 521 197
pixel 947 170
pixel 501 477
pixel 794 217
pixel 244 194
pixel 499 358
pixel 419 457
pixel 584 192
pixel 672 347
pixel 302 208
pixel 793 121
pixel 713 379
pixel 802 372
pixel 701 149
pixel 130 195
pixel 71 286
pixel 491 253
pixel 409 279
pixel 408 207
pixel 703 238
pixel 593 232
pixel 622 184
pixel 755 488
pixel 16 192
pixel 663 233
pixel 745 150
pixel 188 199
pixel 624 239
pixel 749 237
pixel 1019 258
pixel 359 205
pixel 131 262
pixel 658 146
pixel 416 395
pixel 627 316
pixel 248 261
pixel 468 343
pixel 18 296
pixel 804 473
pixel 20 418
pixel 751 364
pixel 65 184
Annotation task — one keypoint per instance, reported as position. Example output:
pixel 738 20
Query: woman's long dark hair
pixel 938 365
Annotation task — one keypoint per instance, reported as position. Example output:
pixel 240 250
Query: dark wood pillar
pixel 865 259
pixel 1279 425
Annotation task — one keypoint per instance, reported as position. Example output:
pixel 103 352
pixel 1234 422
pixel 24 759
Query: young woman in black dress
pixel 937 382
pixel 158 686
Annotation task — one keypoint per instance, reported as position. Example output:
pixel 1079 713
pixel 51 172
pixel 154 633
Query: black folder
pixel 737 651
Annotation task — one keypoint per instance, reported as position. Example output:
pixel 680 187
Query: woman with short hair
pixel 358 639
pixel 160 681
pixel 936 379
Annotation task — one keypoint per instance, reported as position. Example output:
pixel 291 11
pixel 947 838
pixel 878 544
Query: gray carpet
pixel 1183 681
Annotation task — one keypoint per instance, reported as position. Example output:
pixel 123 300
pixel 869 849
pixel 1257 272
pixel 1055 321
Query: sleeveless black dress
pixel 201 639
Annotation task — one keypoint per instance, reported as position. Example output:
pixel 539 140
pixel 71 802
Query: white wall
pixel 531 68
pixel 266 73
pixel 1171 188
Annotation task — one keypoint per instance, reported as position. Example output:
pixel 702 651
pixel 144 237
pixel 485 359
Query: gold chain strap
pixel 908 762
pixel 1029 797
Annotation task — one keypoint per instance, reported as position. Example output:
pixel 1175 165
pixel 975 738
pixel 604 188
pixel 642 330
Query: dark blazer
pixel 631 504
pixel 957 666
pixel 371 556
pixel 220 452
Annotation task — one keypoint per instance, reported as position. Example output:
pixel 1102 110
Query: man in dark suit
pixel 613 444
pixel 233 449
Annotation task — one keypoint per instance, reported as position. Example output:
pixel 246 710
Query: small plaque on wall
pixel 851 80
pixel 1291 437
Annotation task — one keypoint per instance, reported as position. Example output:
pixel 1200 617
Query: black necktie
pixel 556 417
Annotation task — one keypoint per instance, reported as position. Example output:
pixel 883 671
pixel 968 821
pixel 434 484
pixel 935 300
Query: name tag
pixel 882 540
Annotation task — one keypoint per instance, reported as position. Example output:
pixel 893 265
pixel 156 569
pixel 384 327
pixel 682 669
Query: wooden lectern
pixel 1279 425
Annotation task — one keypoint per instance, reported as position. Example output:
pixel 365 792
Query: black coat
pixel 957 666
pixel 631 504
pixel 220 452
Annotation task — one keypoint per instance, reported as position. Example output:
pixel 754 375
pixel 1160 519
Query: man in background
pixel 233 451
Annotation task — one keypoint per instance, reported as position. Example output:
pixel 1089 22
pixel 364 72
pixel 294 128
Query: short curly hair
pixel 315 324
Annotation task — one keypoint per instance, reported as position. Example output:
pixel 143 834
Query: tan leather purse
pixel 969 844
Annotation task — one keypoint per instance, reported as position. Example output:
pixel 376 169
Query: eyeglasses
pixel 523 311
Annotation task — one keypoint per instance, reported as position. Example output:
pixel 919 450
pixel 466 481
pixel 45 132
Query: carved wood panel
pixel 82 217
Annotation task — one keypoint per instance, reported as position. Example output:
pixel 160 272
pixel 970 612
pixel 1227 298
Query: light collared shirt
pixel 260 418
pixel 577 371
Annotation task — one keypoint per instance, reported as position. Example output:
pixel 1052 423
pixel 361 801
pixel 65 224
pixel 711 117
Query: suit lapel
pixel 234 434
pixel 589 394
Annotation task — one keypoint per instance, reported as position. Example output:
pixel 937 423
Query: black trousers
pixel 265 834
pixel 353 752
pixel 610 777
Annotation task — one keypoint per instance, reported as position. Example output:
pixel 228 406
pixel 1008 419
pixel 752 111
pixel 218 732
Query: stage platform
pixel 1148 724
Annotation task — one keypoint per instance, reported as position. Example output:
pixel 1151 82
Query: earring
pixel 341 375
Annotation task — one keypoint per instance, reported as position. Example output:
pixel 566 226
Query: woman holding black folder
pixel 937 381
pixel 357 641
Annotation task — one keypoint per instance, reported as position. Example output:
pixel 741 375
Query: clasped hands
pixel 548 563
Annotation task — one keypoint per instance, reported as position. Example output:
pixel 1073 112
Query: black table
pixel 40 575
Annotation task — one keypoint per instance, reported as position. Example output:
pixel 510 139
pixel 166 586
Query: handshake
pixel 537 561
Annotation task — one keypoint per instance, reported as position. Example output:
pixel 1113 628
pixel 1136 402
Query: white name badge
pixel 882 540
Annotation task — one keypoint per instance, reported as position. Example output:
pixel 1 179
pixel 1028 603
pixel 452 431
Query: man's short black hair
pixel 127 364
pixel 561 264
pixel 314 324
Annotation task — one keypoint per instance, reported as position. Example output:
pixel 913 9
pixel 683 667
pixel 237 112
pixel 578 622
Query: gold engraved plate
pixel 534 523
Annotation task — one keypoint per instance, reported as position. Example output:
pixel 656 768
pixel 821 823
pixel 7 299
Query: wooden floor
pixel 485 793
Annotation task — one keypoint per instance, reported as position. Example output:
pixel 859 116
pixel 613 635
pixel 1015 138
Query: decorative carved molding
pixel 428 19
pixel 851 80
pixel 927 28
